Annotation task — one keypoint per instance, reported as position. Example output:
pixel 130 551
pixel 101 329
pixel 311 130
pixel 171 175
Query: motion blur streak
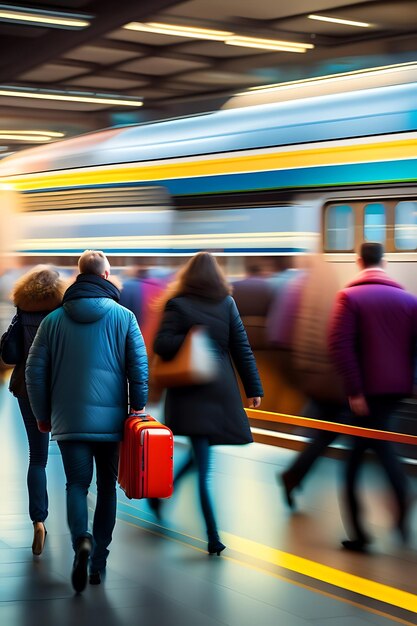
pixel 7 226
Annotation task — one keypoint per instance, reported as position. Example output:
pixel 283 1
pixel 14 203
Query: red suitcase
pixel 146 458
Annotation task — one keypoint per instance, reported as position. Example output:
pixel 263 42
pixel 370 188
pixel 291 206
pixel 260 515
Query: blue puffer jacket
pixel 83 356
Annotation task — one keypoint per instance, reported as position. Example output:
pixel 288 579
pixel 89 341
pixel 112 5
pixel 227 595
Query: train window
pixel 339 232
pixel 406 225
pixel 374 223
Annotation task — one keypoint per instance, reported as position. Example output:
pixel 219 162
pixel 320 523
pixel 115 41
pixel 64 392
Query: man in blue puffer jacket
pixel 83 357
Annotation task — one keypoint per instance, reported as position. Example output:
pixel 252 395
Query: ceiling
pixel 177 75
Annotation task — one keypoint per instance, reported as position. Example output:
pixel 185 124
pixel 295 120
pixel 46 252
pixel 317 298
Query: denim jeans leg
pixel 77 457
pixel 38 457
pixel 202 453
pixel 106 456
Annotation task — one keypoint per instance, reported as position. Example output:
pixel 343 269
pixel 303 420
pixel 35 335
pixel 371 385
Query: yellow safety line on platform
pixel 324 573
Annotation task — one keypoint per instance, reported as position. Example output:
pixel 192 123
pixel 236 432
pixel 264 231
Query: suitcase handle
pixel 143 417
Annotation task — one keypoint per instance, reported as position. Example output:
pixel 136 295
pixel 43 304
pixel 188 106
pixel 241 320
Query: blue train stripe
pixel 320 176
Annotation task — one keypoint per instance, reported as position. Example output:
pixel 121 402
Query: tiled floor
pixel 159 573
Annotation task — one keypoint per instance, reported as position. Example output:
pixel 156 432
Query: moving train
pixel 316 167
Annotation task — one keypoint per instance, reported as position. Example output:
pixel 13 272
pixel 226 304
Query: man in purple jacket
pixel 372 341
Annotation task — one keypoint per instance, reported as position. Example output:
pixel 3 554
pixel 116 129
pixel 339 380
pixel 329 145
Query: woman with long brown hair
pixel 210 413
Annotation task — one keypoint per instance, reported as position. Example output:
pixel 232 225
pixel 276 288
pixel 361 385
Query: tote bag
pixel 194 364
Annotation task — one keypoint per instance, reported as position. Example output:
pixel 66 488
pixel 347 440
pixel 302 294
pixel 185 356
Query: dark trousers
pixel 38 457
pixel 320 439
pixel 78 458
pixel 381 409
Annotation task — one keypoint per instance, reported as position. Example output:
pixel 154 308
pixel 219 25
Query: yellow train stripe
pixel 324 573
pixel 280 160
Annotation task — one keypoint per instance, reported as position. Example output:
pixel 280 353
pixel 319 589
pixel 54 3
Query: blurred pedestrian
pixel 38 292
pixel 77 373
pixel 210 413
pixel 254 295
pixel 372 339
pixel 140 291
pixel 308 312
pixel 139 294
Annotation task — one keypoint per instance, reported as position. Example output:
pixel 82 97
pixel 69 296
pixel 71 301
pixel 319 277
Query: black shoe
pixel 80 567
pixel 155 506
pixel 215 546
pixel 95 578
pixel 288 486
pixel 355 545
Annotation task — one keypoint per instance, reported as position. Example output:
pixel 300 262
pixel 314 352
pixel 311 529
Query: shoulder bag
pixel 194 364
pixel 11 343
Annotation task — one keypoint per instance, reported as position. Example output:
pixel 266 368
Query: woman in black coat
pixel 212 413
pixel 35 294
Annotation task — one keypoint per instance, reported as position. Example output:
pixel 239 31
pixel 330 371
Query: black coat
pixel 30 323
pixel 214 409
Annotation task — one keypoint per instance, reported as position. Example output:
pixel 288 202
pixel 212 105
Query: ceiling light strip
pixel 244 43
pixel 35 17
pixel 24 138
pixel 178 31
pixel 226 37
pixel 47 133
pixel 338 20
pixel 268 42
pixel 68 97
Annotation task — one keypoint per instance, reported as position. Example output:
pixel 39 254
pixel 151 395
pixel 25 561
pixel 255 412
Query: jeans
pixel 38 457
pixel 202 455
pixel 78 458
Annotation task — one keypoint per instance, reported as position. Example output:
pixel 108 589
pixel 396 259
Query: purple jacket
pixel 373 334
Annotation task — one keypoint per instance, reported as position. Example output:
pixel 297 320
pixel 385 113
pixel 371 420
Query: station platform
pixel 279 567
